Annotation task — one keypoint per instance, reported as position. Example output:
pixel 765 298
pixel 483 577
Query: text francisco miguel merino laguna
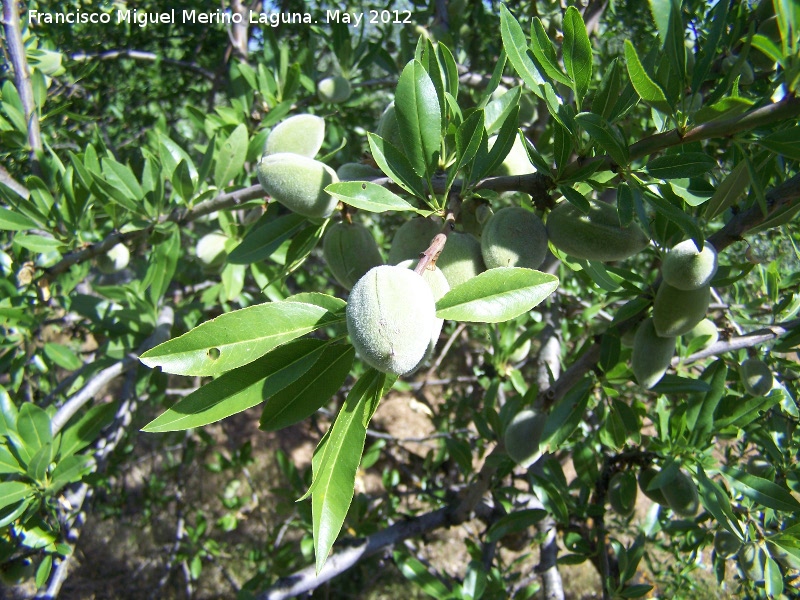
pixel 145 18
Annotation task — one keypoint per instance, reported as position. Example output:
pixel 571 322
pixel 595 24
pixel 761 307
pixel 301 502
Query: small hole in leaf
pixel 363 186
pixel 213 353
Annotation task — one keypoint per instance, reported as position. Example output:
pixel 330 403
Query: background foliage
pixel 685 115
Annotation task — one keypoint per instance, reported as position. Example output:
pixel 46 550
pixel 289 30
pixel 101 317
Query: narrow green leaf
pixel 605 134
pixel 8 463
pixel 236 338
pixel 334 479
pixel 716 501
pixel 312 390
pixel 674 46
pixel 37 243
pixel 562 146
pixel 545 54
pixel 396 165
pixel 700 412
pixel 122 178
pixel 63 356
pixel 574 197
pixel 785 142
pixel 648 90
pixel 69 470
pixel 182 181
pixel 13 221
pixel 763 491
pixel 419 117
pixel 263 240
pixel 728 191
pixel 241 388
pixel 609 91
pixel 719 24
pixel 488 163
pixel 468 138
pixel 496 295
pixel 417 573
pixel 577 53
pixel 33 427
pixel 566 415
pixel 680 166
pixel 514 522
pixel 231 157
pixel 516 48
pixel 13 491
pixel 683 220
pixel 497 111
pixel 162 265
pixel 368 196
pixel 78 435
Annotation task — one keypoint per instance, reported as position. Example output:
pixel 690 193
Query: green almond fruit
pixel 350 251
pixel 461 258
pixel 593 236
pixel 676 312
pixel 210 249
pixel 681 495
pixel 704 329
pixel 412 238
pixel 647 475
pixel 523 437
pixel 474 215
pixel 357 172
pixel 439 287
pixel 651 355
pixel 686 268
pixel 300 134
pixel 299 183
pixel 390 315
pixel 752 560
pixel 113 261
pixel 514 237
pixel 756 377
pixel 622 493
pixel 726 544
pixel 334 89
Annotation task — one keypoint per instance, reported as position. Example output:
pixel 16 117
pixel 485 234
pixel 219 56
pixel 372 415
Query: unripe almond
pixel 681 495
pixel 651 354
pixel 647 475
pixel 210 249
pixel 756 377
pixel 686 268
pixel 593 236
pixel 350 251
pixel 622 493
pixel 514 237
pixel 523 437
pixel 439 287
pixel 300 134
pixel 676 312
pixel 412 238
pixel 726 544
pixel 461 258
pixel 752 559
pixel 390 316
pixel 474 215
pixel 114 260
pixel 357 172
pixel 334 89
pixel 298 182
pixel 706 329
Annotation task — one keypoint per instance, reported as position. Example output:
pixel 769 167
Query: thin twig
pixel 141 55
pixel 22 79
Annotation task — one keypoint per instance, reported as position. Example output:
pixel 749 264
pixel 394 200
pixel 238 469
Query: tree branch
pixel 104 377
pixel 179 216
pixel 141 55
pixel 22 78
pixel 9 181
